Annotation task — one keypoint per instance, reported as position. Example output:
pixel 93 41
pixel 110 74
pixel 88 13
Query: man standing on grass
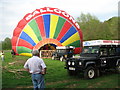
pixel 37 68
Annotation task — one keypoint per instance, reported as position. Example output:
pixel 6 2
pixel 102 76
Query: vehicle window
pixel 103 51
pixel 91 49
pixel 118 50
pixel 112 51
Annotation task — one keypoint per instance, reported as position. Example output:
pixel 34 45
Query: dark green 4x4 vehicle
pixel 97 56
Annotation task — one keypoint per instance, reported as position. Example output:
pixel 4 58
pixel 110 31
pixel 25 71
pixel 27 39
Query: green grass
pixel 14 76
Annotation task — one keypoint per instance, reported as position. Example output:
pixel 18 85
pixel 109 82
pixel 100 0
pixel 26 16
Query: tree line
pixel 6 44
pixel 91 27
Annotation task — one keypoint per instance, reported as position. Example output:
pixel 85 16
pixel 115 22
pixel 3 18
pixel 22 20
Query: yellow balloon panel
pixel 53 22
pixel 28 30
pixel 72 39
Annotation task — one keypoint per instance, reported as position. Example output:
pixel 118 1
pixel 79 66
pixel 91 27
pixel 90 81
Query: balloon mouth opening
pixel 48 46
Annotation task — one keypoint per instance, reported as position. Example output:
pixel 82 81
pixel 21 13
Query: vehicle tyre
pixel 72 73
pixel 61 58
pixel 118 68
pixel 53 58
pixel 98 72
pixel 89 73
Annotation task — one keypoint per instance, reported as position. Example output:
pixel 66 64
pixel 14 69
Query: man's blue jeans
pixel 38 81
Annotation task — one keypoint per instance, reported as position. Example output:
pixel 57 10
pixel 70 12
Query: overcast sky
pixel 12 11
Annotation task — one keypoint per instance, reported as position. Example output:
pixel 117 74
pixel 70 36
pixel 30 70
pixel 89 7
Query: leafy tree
pixel 88 24
pixel 113 27
pixel 93 29
pixel 6 44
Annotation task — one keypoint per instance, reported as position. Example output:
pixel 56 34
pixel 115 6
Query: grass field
pixel 14 76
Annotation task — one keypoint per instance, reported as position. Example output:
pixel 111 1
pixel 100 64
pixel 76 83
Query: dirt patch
pixel 52 83
pixel 11 63
pixel 24 87
pixel 97 84
pixel 72 86
pixel 64 81
pixel 17 62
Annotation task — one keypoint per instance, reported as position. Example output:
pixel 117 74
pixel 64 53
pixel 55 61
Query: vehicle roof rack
pixel 64 47
pixel 101 42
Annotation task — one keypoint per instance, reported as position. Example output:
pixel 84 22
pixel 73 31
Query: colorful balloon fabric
pixel 46 26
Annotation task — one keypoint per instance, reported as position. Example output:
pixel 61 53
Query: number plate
pixel 71 68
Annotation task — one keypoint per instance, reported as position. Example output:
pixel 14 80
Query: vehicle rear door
pixel 112 57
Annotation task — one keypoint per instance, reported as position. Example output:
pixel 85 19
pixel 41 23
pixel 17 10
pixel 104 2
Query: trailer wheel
pixel 89 73
pixel 98 72
pixel 53 57
pixel 61 58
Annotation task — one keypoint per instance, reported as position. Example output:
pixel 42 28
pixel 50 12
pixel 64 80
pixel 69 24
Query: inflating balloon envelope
pixel 46 26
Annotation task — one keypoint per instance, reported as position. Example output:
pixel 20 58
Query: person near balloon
pixel 13 53
pixel 2 55
pixel 37 68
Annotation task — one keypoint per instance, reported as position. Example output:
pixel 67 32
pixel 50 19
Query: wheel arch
pixel 118 61
pixel 92 63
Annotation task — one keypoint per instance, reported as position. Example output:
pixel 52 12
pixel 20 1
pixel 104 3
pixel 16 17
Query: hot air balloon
pixel 46 26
